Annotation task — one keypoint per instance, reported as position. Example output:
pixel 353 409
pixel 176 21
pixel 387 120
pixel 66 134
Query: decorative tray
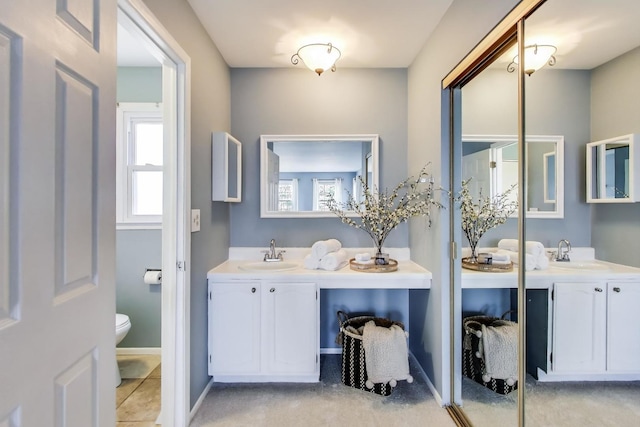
pixel 492 268
pixel 373 268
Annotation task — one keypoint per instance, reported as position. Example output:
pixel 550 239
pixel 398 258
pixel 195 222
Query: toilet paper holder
pixel 153 276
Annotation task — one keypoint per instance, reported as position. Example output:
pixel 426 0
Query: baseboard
pixel 138 350
pixel 331 350
pixel 423 374
pixel 198 403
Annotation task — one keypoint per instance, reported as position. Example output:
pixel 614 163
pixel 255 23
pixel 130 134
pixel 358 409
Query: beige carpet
pixel 568 404
pixel 327 403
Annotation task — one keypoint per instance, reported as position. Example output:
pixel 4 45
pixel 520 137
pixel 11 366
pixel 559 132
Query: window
pixel 139 165
pixel 324 190
pixel 288 195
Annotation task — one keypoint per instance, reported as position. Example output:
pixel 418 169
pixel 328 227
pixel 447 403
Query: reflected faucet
pixel 270 254
pixel 563 256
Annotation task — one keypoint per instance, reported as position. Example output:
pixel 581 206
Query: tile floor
pixel 138 397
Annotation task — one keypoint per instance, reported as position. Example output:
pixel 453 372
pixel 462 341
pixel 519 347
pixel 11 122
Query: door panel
pixel 57 213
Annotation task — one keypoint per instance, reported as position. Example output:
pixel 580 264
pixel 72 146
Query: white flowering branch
pixel 483 214
pixel 379 213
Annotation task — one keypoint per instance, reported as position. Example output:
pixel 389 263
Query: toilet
pixel 123 324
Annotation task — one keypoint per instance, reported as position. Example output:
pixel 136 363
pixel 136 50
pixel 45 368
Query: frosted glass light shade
pixel 535 57
pixel 318 57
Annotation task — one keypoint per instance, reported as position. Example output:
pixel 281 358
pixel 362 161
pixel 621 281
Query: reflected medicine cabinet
pixel 226 168
pixel 612 174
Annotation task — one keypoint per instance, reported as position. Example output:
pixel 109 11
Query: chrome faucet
pixel 270 254
pixel 563 256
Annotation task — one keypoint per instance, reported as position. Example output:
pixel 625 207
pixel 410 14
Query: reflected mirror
pixel 491 161
pixel 609 170
pixel 300 173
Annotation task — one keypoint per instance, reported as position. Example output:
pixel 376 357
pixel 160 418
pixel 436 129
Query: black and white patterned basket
pixel 354 372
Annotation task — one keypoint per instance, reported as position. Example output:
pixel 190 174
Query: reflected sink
pixel 580 265
pixel 268 266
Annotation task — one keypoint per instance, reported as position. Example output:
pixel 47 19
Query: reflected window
pixel 325 190
pixel 288 195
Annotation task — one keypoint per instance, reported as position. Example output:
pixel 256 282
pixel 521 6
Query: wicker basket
pixel 354 372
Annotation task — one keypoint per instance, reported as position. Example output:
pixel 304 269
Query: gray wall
pixel 296 101
pixel 464 24
pixel 557 104
pixel 137 250
pixel 210 111
pixel 615 110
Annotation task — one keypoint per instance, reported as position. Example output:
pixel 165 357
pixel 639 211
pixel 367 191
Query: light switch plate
pixel 195 220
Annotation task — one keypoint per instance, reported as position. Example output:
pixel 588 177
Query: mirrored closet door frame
pixel 509 31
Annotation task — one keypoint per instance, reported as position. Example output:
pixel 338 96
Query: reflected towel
pixel 323 247
pixel 532 247
pixel 530 260
pixel 500 258
pixel 334 260
pixel 311 262
pixel 500 348
pixel 542 262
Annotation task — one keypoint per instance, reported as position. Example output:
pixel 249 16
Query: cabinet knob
pixel 253 290
pixel 598 289
pixel 616 289
pixel 272 290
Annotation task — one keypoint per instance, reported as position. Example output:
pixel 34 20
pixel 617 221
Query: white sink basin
pixel 268 266
pixel 580 265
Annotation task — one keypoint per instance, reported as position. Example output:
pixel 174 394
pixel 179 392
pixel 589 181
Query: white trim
pixel 176 240
pixel 331 350
pixel 200 400
pixel 139 350
pixel 424 376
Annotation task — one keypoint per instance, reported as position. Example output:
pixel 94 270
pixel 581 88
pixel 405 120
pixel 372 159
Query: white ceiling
pixel 379 34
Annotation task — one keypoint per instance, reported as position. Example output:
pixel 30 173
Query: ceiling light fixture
pixel 318 57
pixel 536 56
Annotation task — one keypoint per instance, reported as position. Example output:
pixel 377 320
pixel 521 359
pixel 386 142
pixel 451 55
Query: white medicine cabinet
pixel 226 168
pixel 612 175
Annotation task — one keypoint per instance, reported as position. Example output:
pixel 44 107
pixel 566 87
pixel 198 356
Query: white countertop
pixel 408 276
pixel 544 279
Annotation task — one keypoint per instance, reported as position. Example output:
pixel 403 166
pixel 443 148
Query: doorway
pixel 140 23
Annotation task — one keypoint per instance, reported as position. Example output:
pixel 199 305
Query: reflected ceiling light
pixel 318 57
pixel 536 56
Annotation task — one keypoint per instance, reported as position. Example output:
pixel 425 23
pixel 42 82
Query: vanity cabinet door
pixel 234 328
pixel 579 327
pixel 623 333
pixel 290 328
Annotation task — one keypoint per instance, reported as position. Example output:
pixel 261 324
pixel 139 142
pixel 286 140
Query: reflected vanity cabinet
pixel 594 333
pixel 226 168
pixel 613 170
pixel 263 331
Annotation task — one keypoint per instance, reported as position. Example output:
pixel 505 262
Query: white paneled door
pixel 57 212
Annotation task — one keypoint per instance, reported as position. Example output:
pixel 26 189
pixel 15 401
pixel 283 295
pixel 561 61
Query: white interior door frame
pixel 176 238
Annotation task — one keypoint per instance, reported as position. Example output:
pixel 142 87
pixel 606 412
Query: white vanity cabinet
pixel 594 329
pixel 262 331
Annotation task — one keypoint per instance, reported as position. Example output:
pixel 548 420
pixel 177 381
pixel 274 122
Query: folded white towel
pixel 532 247
pixel 498 257
pixel 323 247
pixel 311 262
pixel 334 260
pixel 501 261
pixel 530 260
pixel 363 257
pixel 542 262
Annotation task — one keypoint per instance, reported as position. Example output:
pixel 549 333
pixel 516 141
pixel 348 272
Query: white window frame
pixel 294 193
pixel 317 182
pixel 127 114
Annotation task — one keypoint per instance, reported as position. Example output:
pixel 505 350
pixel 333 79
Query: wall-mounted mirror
pixel 300 173
pixel 611 177
pixel 491 161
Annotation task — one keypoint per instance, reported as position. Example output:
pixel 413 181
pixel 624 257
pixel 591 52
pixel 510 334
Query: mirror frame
pixel 559 141
pixel 266 139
